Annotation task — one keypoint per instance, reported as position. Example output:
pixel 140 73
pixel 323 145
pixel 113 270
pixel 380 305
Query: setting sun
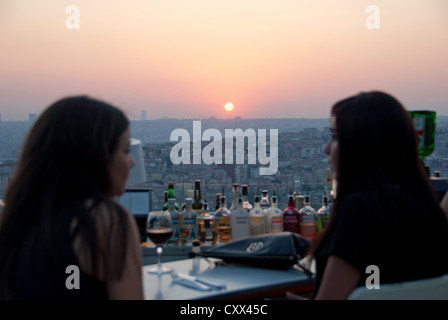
pixel 228 106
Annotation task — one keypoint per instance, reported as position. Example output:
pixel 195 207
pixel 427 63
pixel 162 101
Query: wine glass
pixel 159 229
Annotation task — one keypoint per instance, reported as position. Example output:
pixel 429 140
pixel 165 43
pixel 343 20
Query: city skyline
pixel 187 59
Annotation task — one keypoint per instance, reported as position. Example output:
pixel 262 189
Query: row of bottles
pixel 184 223
pixel 241 219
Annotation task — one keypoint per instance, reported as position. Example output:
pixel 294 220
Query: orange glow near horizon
pixel 182 58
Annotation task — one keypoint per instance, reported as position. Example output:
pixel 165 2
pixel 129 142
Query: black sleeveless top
pixel 46 273
pixel 407 244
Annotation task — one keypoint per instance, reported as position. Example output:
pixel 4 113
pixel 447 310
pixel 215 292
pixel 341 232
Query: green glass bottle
pixel 198 204
pixel 425 127
pixel 170 195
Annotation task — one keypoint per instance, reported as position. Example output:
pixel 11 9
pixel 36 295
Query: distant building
pixel 31 117
pixel 143 115
pixel 0 117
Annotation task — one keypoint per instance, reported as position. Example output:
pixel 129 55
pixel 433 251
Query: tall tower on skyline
pixel 143 115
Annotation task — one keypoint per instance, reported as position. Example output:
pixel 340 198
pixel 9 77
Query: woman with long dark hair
pixel 60 216
pixel 386 213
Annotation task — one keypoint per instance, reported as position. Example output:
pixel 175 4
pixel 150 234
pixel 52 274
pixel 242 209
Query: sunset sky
pixel 187 58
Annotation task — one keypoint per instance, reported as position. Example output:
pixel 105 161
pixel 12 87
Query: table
pixel 242 282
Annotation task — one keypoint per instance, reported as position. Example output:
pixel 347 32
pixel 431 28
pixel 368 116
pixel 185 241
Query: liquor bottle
pixel 256 218
pixel 205 226
pixel 298 198
pixel 299 202
pixel 264 201
pixel 189 227
pixel 239 221
pixel 165 200
pixel 234 204
pixel 322 215
pixel 218 201
pixel 201 223
pixel 175 217
pixel 198 204
pixel 245 195
pixel 425 127
pixel 274 217
pixel 171 195
pixel 221 224
pixel 296 192
pixel 307 223
pixel 291 218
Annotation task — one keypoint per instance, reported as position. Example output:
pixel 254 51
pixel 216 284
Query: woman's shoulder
pixel 109 217
pixel 105 238
pixel 107 210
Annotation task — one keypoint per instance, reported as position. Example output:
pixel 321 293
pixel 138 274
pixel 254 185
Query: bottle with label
pixel 274 217
pixel 198 204
pixel 307 220
pixel 425 127
pixel 205 226
pixel 298 198
pixel 221 224
pixel 322 215
pixel 235 197
pixel 175 217
pixel 239 221
pixel 189 227
pixel 264 201
pixel 170 195
pixel 245 195
pixel 291 218
pixel 257 219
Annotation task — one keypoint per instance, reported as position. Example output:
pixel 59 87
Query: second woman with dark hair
pixel 386 213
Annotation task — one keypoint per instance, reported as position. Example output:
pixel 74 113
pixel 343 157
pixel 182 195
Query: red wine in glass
pixel 159 229
pixel 160 236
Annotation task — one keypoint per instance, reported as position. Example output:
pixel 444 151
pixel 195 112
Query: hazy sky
pixel 187 58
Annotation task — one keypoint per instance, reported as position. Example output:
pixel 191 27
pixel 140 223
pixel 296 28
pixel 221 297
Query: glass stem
pixel 159 254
